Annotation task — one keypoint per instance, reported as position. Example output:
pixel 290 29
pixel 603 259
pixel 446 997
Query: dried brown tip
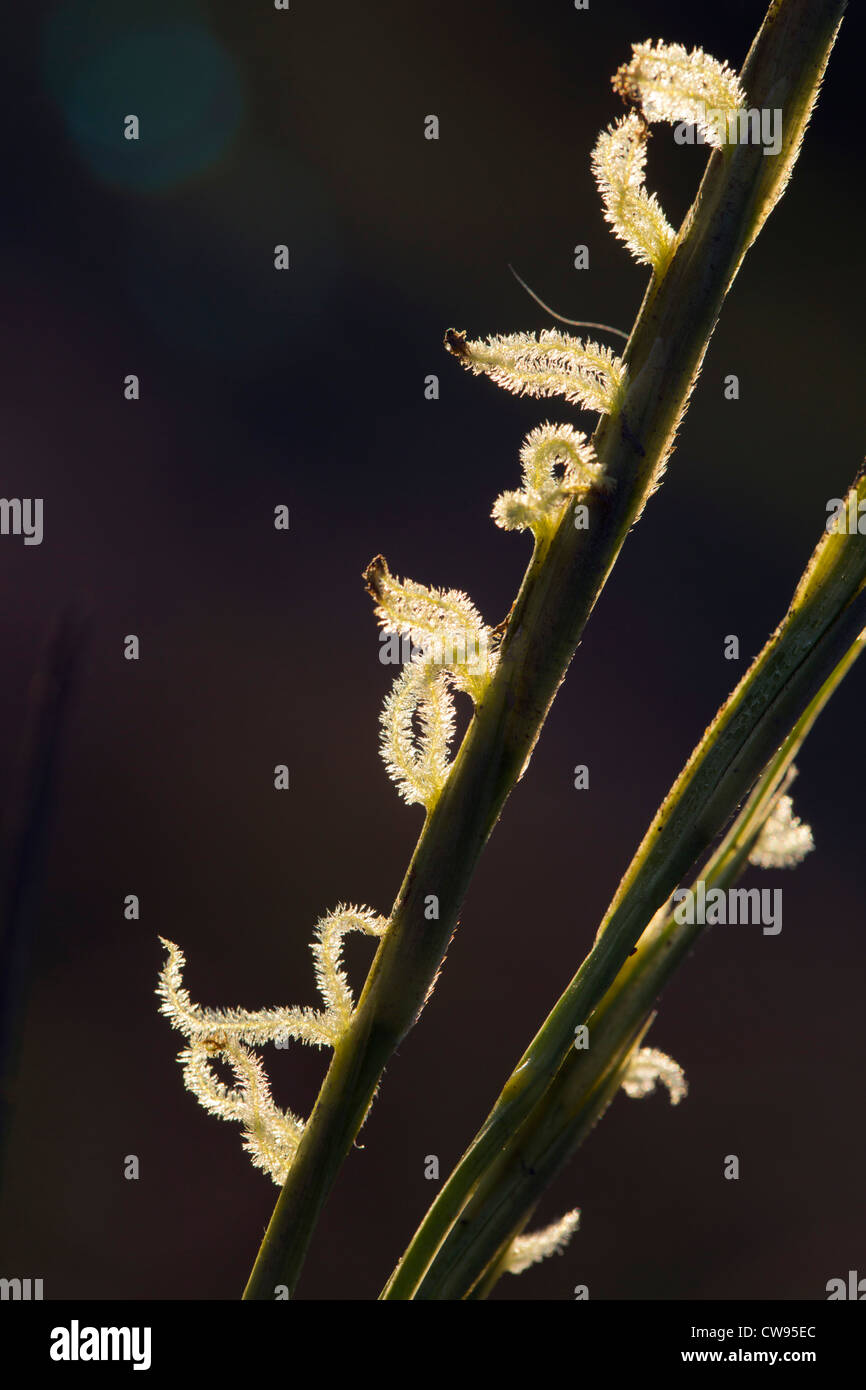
pixel 374 576
pixel 455 342
pixel 624 84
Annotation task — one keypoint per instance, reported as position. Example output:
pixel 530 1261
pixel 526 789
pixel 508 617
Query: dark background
pixel 259 647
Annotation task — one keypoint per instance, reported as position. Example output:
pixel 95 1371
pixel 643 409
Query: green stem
pixel 741 741
pixel 600 1095
pixel 505 1191
pixel 502 1211
pixel 558 593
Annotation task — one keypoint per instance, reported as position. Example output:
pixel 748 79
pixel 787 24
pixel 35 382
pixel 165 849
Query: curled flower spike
pixel 784 840
pixel 270 1135
pixel 529 1250
pixel 419 768
pixel 240 1025
pixel 537 507
pixel 649 1066
pixel 674 85
pixel 444 623
pixel 455 650
pixel 554 364
pixel 636 216
pixel 327 954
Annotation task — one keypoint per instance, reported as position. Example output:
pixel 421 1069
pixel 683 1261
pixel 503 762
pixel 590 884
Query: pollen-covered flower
pixel 444 623
pixel 558 463
pixel 784 840
pixel 647 1067
pixel 270 1135
pixel 418 764
pixel 553 364
pixel 529 1250
pixel 618 162
pixel 671 84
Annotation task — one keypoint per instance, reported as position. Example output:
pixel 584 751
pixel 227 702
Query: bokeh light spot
pixel 174 76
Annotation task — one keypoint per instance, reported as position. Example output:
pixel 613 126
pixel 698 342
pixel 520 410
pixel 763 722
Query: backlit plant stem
pixel 495 1188
pixel 566 574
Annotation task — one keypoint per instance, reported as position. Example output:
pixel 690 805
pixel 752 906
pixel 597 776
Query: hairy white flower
pixel 270 1135
pixel 444 623
pixel 528 1250
pixel 674 85
pixel 537 506
pixel 647 1067
pixel 636 216
pixel 784 840
pixel 553 364
pixel 241 1025
pixel 327 954
pixel 419 766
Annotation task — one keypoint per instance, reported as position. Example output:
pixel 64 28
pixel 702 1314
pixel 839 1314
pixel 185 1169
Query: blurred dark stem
pixel 27 811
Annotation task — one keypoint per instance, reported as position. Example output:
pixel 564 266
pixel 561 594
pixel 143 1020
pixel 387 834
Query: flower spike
pixel 529 1250
pixel 784 840
pixel 270 1135
pixel 636 216
pixel 419 771
pixel 446 626
pixel 646 1067
pixel 553 364
pixel 671 84
pixel 537 507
